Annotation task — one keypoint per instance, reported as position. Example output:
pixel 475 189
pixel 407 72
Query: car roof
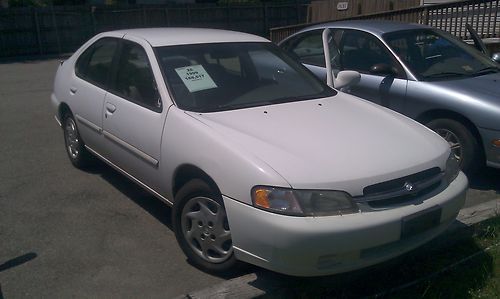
pixel 159 37
pixel 376 27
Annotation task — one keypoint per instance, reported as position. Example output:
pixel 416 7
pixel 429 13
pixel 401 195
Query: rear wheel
pixel 462 142
pixel 201 227
pixel 75 148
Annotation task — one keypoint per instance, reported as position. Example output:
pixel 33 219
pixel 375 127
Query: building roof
pixel 158 37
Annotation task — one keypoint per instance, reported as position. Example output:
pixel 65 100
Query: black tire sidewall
pixel 192 189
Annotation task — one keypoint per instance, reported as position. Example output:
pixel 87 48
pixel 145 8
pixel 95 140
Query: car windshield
pixel 435 55
pixel 225 76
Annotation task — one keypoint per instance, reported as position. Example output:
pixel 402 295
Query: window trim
pixel 114 74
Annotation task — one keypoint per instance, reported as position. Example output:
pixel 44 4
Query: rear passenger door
pixel 134 114
pixel 88 88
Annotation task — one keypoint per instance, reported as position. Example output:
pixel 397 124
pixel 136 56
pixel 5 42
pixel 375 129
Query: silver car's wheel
pixel 201 226
pixel 463 144
pixel 206 230
pixel 453 141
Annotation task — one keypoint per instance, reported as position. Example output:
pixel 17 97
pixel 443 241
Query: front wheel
pixel 202 228
pixel 462 142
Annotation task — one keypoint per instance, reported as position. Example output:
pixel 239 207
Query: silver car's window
pixel 435 55
pixel 308 47
pixel 94 64
pixel 361 51
pixel 134 78
pixel 225 76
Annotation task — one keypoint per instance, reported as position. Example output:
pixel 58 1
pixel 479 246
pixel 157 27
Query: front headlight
pixel 452 168
pixel 303 202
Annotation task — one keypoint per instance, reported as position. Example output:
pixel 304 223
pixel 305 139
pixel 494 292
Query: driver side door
pixel 383 80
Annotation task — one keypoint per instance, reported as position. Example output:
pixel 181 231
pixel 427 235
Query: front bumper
pixel 314 246
pixel 491 152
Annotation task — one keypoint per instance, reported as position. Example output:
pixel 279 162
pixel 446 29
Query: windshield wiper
pixel 490 69
pixel 445 74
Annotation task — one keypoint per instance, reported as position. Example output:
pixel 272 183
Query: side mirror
pixel 496 57
pixel 346 79
pixel 381 69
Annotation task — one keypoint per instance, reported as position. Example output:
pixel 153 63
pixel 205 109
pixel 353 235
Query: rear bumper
pixel 308 246
pixel 492 153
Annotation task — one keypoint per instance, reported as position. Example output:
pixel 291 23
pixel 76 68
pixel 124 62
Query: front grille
pixel 401 190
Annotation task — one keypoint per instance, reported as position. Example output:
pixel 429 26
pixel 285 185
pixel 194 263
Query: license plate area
pixel 420 222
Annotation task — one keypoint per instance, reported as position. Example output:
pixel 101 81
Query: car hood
pixel 484 88
pixel 340 143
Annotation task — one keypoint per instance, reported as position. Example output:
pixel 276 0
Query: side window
pixel 309 49
pixel 134 78
pixel 95 63
pixel 360 51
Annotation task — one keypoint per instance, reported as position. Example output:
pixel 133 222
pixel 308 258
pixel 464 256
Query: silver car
pixel 260 161
pixel 421 72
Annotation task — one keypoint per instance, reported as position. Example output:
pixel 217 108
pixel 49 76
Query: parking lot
pixel 66 232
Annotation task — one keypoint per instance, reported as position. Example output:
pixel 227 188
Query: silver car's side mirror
pixel 346 79
pixel 496 57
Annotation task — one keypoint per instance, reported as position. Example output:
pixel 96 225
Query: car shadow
pixel 155 207
pixel 485 180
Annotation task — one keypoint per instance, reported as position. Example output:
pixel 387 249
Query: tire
pixel 201 227
pixel 462 142
pixel 75 147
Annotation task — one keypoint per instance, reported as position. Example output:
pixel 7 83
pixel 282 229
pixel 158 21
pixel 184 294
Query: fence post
pixel 37 30
pixel 144 22
pixel 264 15
pixel 92 19
pixel 167 17
pixel 297 7
pixel 54 23
pixel 189 15
pixel 426 16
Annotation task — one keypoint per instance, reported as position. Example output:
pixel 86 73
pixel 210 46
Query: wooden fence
pixel 483 15
pixel 52 30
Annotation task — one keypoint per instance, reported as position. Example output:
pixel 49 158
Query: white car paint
pixel 336 143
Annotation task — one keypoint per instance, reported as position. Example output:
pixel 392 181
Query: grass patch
pixel 468 266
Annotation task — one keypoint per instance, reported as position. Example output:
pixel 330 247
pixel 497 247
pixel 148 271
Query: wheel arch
pixel 62 110
pixel 430 115
pixel 187 172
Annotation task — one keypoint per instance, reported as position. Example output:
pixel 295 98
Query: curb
pixel 253 285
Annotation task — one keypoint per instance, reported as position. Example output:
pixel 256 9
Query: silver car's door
pixel 383 80
pixel 134 114
pixel 87 89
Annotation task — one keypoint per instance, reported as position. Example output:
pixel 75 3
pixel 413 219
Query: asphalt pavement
pixel 71 233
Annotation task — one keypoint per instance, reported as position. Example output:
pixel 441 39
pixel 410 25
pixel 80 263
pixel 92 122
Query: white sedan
pixel 261 161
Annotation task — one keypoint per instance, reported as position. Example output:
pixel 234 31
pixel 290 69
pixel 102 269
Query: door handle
pixel 110 107
pixel 73 90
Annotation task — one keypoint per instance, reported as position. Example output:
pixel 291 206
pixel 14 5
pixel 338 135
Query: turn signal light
pixel 496 142
pixel 261 198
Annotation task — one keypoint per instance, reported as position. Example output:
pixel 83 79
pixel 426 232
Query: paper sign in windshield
pixel 195 78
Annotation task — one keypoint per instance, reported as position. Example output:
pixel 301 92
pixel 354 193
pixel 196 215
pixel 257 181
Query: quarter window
pixel 134 77
pixel 95 63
